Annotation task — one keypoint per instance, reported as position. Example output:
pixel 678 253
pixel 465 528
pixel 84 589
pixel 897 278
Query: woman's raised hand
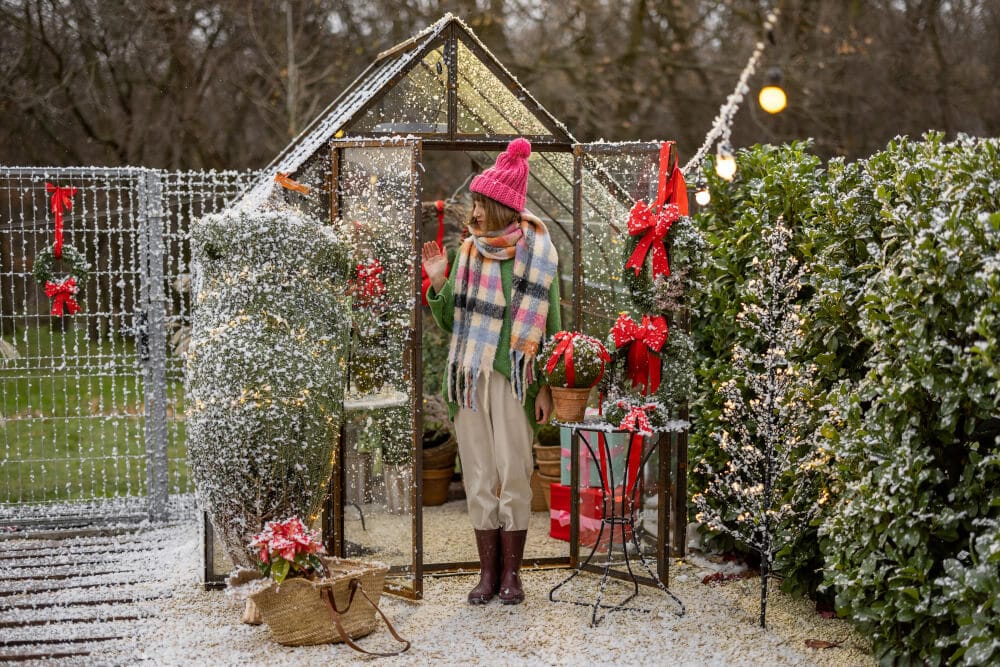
pixel 435 264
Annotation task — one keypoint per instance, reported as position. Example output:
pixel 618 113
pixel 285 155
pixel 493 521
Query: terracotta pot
pixel 570 404
pixel 537 493
pixel 436 485
pixel 547 452
pixel 550 468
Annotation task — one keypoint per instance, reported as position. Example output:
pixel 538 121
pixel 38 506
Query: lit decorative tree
pixel 756 497
pixel 265 368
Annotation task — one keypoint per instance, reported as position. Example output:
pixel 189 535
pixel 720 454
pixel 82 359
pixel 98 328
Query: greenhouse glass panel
pixel 378 191
pixel 486 105
pixel 610 184
pixel 418 103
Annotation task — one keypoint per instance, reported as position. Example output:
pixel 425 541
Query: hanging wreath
pixel 645 257
pixel 63 291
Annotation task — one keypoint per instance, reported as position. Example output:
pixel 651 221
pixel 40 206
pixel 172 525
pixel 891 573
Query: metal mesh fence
pixel 92 402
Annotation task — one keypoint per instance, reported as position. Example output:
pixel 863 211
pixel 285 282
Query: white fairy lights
pixel 723 124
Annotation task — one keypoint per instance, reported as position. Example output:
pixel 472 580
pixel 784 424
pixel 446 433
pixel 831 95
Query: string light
pixel 772 97
pixel 701 193
pixel 723 123
pixel 725 161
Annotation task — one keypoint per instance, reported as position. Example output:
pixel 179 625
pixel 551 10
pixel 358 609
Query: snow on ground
pixel 195 626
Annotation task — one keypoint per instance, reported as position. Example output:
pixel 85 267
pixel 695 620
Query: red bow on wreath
pixel 645 342
pixel 62 200
pixel 653 222
pixel 637 419
pixel 564 350
pixel 63 293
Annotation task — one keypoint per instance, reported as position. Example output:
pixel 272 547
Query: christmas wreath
pixel 64 291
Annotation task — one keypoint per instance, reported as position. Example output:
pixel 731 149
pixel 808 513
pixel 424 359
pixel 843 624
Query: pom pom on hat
pixel 507 180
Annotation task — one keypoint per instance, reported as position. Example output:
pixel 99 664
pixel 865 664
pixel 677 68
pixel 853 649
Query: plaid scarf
pixel 480 306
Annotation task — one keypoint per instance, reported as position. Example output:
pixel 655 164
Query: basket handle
pixel 355 586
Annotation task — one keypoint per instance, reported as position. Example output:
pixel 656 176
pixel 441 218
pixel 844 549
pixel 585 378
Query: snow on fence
pixel 92 402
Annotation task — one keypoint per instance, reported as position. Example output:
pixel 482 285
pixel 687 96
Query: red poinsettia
pixel 288 547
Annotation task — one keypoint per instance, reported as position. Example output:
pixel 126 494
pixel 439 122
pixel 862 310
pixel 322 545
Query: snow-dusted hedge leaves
pixel 902 318
pixel 265 370
pixel 915 437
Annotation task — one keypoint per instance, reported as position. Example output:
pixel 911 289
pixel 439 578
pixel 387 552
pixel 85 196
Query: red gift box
pixel 591 513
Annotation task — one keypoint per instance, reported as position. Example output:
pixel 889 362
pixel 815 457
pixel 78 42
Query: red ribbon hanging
pixel 564 350
pixel 653 222
pixel 425 281
pixel 645 342
pixel 62 200
pixel 63 293
pixel 637 418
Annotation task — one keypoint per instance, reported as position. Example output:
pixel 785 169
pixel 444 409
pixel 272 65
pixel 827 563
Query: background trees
pixel 226 83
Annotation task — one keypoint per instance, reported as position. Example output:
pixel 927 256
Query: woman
pixel 501 299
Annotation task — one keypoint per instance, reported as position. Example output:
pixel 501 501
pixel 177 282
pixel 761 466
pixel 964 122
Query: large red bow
pixel 653 222
pixel 645 342
pixel 63 293
pixel 654 228
pixel 564 350
pixel 62 200
pixel 637 419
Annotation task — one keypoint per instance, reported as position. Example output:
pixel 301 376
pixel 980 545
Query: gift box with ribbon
pixel 591 513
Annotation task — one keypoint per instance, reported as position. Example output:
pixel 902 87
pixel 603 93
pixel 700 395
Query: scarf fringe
pixel 461 386
pixel 522 373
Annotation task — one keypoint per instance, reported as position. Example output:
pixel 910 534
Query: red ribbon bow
pixel 63 294
pixel 654 227
pixel 653 222
pixel 62 200
pixel 645 342
pixel 564 350
pixel 637 419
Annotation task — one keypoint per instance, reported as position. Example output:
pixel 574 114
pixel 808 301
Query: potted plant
pixel 439 451
pixel 574 363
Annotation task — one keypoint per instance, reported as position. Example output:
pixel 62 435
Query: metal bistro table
pixel 619 514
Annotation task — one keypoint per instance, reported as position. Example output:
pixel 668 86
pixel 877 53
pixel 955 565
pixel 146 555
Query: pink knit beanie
pixel 507 180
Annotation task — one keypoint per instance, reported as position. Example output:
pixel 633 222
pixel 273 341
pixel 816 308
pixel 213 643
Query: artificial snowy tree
pixel 265 368
pixel 755 498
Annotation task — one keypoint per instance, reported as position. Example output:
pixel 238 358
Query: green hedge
pixel 902 317
pixel 915 438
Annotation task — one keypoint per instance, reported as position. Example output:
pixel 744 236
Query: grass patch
pixel 73 419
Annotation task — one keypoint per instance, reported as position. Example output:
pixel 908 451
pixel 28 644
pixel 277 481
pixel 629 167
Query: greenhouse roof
pixel 443 85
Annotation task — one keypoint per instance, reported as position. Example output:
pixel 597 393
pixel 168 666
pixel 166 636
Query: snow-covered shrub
pixel 265 368
pixel 915 436
pixel 772 182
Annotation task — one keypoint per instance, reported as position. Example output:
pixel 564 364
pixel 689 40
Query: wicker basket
pixel 570 403
pixel 297 614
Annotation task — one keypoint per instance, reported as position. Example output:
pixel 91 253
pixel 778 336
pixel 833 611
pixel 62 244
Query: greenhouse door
pixel 376 495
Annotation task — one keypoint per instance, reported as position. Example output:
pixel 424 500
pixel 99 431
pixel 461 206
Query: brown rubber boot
pixel 512 548
pixel 488 545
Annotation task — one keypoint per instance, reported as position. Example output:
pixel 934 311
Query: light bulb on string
pixel 725 161
pixel 772 97
pixel 701 193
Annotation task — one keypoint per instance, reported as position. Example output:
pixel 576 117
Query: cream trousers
pixel 495 447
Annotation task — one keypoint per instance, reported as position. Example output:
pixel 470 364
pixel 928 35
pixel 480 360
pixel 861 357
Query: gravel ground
pixel 719 628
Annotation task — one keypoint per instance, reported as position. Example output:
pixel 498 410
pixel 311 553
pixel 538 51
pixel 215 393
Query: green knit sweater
pixel 443 309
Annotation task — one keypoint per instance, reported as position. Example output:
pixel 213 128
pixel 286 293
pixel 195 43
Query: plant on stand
pixel 370 311
pixel 574 365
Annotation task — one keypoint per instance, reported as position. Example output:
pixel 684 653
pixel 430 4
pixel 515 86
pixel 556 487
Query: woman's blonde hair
pixel 497 215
